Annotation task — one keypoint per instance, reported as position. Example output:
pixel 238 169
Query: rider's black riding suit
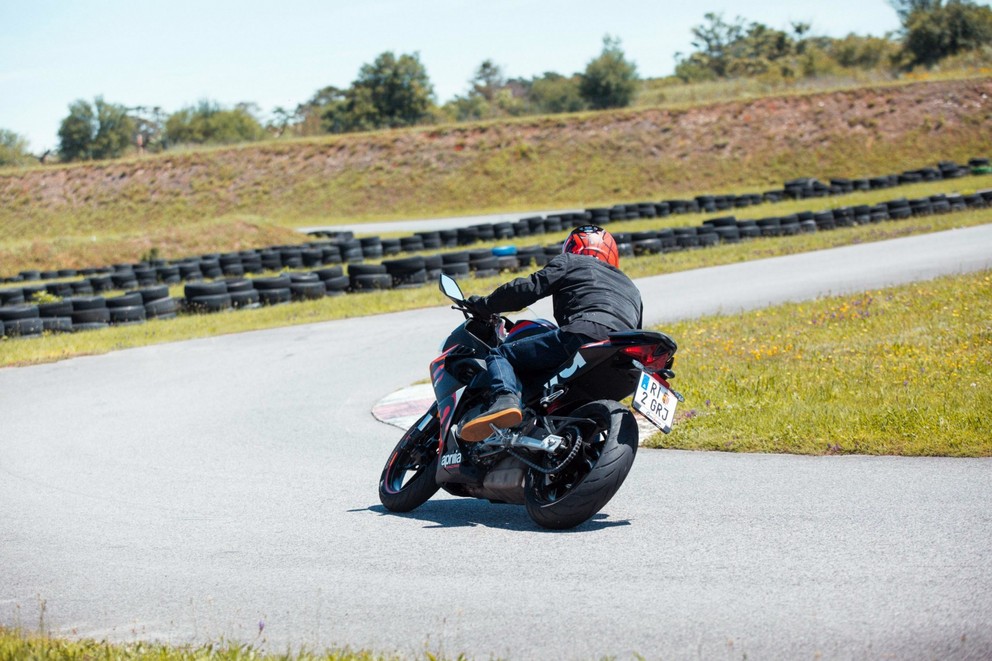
pixel 591 299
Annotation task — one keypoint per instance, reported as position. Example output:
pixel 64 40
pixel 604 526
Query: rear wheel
pixel 407 480
pixel 573 495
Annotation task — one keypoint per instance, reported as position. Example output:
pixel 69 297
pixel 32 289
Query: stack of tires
pixel 221 295
pixel 158 304
pixel 531 256
pixel 770 226
pixel 207 297
pixel 406 272
pixel 56 316
pixel 455 264
pixel 89 313
pixel 306 287
pixel 432 240
pixel 506 258
pixel 21 321
pixel 126 309
pixel 273 290
pixel 483 263
pixel 335 282
pixel 369 277
pixel 643 243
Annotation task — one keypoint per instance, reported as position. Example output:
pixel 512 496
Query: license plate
pixel 655 402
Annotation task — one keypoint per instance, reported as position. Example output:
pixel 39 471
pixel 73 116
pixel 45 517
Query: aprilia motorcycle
pixel 575 444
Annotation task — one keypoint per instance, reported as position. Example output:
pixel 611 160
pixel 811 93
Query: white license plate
pixel 655 402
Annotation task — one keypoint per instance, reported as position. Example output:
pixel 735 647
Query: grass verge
pixel 899 371
pixel 16 646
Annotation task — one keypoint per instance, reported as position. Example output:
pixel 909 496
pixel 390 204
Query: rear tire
pixel 569 498
pixel 407 480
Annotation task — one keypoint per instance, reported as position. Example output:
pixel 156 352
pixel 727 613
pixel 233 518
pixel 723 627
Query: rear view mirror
pixel 451 288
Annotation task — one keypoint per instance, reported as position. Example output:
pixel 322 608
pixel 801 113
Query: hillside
pixel 250 195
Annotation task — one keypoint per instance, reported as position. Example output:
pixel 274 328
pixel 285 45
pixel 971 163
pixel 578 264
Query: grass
pixel 80 250
pixel 899 371
pixel 18 646
pixel 671 92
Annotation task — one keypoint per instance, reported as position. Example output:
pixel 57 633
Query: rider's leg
pixel 537 355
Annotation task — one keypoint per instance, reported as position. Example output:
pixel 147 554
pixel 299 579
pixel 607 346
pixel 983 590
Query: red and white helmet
pixel 593 241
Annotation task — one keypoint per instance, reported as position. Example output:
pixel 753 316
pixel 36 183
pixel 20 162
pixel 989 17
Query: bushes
pixel 935 31
pixel 609 81
pixel 208 123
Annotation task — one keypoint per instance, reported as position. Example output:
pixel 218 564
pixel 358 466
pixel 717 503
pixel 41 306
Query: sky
pixel 174 53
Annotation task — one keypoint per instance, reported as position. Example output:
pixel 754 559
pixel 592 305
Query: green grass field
pixel 899 371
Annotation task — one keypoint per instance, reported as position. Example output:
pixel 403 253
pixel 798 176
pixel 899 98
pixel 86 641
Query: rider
pixel 592 298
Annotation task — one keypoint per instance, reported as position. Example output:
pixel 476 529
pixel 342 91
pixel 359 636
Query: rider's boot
pixel 503 413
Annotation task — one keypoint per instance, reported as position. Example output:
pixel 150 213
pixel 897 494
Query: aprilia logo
pixel 453 459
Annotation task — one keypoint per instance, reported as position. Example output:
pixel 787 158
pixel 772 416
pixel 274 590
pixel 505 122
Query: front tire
pixel 573 495
pixel 407 480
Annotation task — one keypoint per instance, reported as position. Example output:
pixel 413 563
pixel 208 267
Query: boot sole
pixel 478 429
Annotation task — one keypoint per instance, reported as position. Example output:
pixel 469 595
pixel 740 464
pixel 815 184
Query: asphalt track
pixel 226 488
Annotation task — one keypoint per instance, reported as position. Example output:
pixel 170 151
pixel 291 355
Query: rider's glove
pixel 476 305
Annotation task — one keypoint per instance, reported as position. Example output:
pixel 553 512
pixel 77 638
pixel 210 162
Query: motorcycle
pixel 575 445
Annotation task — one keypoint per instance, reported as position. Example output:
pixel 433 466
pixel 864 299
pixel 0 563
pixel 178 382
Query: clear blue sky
pixel 278 53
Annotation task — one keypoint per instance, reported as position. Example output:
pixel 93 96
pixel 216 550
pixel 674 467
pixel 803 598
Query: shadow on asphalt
pixel 467 513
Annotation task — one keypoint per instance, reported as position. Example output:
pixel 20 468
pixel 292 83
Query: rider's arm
pixel 519 293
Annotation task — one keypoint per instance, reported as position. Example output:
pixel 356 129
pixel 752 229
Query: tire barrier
pixel 218 283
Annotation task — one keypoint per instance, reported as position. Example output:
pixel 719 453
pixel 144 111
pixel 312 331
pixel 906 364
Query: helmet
pixel 595 242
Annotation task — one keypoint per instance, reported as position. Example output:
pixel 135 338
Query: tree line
pixel 932 31
pixel 396 91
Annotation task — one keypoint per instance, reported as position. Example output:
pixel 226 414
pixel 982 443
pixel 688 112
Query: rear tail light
pixel 650 357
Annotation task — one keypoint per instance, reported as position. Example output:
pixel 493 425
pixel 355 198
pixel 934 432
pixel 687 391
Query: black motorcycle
pixel 575 444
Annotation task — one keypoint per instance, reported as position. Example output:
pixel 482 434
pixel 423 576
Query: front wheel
pixel 407 480
pixel 573 495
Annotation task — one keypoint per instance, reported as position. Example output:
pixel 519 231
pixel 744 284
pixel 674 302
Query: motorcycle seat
pixel 641 337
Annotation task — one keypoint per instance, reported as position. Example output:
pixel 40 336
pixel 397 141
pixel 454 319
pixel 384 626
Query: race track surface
pixel 214 488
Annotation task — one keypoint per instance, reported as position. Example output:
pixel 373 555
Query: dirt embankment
pixel 578 159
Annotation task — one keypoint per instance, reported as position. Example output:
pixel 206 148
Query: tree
pixel 609 80
pixel 470 107
pixel 149 127
pixel 98 131
pixel 209 123
pixel 856 52
pixel 13 149
pixel 740 49
pixel 935 30
pixel 713 43
pixel 490 95
pixel 905 8
pixel 488 80
pixel 281 121
pixel 554 93
pixel 390 92
pixel 309 116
